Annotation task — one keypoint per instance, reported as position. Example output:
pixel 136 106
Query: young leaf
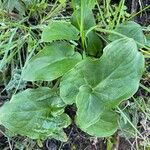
pixel 94 44
pixel 87 18
pixel 62 1
pixel 83 19
pixel 59 30
pixel 52 62
pixel 30 113
pixel 83 14
pixel 86 3
pixel 99 85
pixel 130 29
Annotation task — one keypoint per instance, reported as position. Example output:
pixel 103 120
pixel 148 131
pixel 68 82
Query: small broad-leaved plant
pixel 95 81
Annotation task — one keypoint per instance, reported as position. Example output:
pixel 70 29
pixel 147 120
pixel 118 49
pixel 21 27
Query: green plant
pixel 97 80
pixel 23 6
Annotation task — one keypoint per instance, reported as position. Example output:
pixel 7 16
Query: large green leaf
pixel 52 62
pixel 120 62
pixel 97 85
pixel 59 30
pixel 36 113
pixel 130 29
pixel 106 125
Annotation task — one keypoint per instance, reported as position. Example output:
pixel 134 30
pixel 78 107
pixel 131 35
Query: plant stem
pixel 123 115
pixel 145 88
